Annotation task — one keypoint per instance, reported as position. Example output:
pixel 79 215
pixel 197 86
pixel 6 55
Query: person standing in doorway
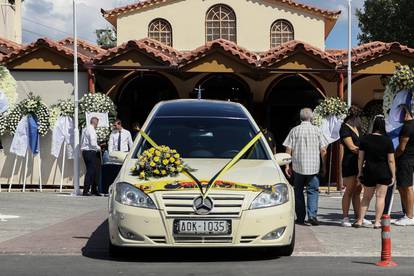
pixel 349 134
pixel 376 166
pixel 90 153
pixel 405 168
pixel 307 146
pixel 120 138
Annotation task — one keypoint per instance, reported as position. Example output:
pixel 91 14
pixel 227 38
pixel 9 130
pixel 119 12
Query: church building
pixel 268 55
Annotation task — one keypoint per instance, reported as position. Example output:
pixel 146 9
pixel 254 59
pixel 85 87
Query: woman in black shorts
pixel 376 164
pixel 349 134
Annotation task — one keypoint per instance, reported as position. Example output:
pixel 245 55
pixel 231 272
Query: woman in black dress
pixel 349 134
pixel 376 165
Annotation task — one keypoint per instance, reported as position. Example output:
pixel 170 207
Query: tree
pixel 387 21
pixel 106 38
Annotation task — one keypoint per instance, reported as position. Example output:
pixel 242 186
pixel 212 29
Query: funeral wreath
pixel 97 102
pixel 332 106
pixel 31 105
pixel 63 108
pixel 8 87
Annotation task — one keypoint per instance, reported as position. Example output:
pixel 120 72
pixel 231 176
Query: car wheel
pixel 288 249
pixel 115 251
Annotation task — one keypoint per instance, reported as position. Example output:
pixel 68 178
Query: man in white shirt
pixel 307 145
pixel 90 152
pixel 120 139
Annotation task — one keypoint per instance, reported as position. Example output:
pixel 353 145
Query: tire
pixel 115 251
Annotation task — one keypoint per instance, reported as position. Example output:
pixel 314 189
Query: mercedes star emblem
pixel 203 206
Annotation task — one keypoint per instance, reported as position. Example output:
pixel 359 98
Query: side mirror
pixel 117 156
pixel 283 159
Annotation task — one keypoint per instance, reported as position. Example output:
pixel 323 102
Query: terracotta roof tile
pixel 8 46
pixel 228 46
pixel 369 51
pixel 85 48
pixel 110 15
pixel 152 47
pixel 279 53
pixel 42 42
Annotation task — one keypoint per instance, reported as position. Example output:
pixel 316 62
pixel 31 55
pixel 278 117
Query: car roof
pixel 200 108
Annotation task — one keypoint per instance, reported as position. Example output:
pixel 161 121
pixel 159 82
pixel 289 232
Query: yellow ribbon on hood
pixel 161 185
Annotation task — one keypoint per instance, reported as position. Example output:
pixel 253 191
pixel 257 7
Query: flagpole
pixel 349 98
pixel 76 173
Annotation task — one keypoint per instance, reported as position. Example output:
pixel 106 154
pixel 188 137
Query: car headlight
pixel 269 199
pixel 129 195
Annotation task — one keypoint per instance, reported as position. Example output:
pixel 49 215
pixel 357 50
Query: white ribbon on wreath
pixel 330 127
pixel 63 133
pixel 394 120
pixel 25 137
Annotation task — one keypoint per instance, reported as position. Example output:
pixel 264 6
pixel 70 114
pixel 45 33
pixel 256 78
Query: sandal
pixel 378 226
pixel 356 225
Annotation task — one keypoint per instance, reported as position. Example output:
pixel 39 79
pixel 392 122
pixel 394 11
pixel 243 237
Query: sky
pixel 53 19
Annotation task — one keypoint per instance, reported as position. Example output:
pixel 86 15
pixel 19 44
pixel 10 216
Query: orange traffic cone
pixel 386 259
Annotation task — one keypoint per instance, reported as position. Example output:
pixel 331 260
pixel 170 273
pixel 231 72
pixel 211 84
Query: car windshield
pixel 204 137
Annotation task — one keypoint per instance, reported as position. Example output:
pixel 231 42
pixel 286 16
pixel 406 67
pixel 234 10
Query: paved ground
pixel 36 229
pixel 309 266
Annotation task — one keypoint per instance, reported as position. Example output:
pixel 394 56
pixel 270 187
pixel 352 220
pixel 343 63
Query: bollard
pixel 386 258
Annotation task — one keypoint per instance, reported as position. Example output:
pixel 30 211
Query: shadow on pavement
pixel 334 219
pixel 97 248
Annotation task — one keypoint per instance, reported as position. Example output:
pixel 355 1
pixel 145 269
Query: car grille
pixel 248 239
pixel 158 239
pixel 181 205
pixel 194 239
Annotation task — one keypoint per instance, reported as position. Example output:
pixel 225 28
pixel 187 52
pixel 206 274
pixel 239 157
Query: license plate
pixel 202 227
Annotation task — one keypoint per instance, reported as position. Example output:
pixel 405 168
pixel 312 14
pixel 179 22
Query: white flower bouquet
pixel 3 124
pixel 8 86
pixel 403 79
pixel 103 134
pixel 31 105
pixel 97 102
pixel 64 107
pixel 332 106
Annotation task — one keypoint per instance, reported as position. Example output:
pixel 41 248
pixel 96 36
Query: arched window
pixel 220 23
pixel 160 30
pixel 281 32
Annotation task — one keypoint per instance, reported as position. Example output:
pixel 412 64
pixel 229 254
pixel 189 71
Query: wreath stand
pixel 63 167
pixel 28 152
pixel 330 170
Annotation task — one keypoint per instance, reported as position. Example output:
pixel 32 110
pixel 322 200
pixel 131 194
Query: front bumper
pixel 152 228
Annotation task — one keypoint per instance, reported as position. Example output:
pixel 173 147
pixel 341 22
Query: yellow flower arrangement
pixel 160 161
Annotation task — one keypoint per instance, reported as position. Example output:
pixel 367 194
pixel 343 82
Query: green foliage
pixel 106 38
pixel 387 21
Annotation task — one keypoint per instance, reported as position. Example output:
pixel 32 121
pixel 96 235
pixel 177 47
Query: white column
pixel 349 94
pixel 76 167
pixel 18 21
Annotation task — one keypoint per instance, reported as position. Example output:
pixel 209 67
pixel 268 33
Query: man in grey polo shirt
pixel 307 145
